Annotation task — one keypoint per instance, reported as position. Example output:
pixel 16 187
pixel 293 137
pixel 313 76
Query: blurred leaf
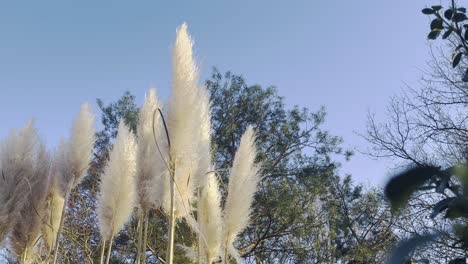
pixel 462 9
pixel 437 24
pixel 448 14
pixel 461 231
pixel 456 59
pixel 428 11
pixel 458 261
pixel 459 17
pixel 465 76
pixel 443 184
pixel 400 188
pixel 447 33
pixel 434 34
pixel 441 206
pixel 458 207
pixel 402 251
pixel 436 7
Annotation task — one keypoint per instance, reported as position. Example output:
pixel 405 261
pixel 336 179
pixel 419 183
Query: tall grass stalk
pixel 117 189
pixel 35 173
pixel 243 181
pixel 187 113
pixel 103 249
pixel 140 235
pixel 145 235
pixel 18 161
pixel 151 169
pixel 109 249
pixel 170 241
pixel 74 159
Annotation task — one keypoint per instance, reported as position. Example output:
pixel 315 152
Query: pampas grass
pixel 150 183
pixel 27 163
pixel 209 220
pixel 117 190
pixel 77 152
pixel 54 204
pixel 182 107
pixel 243 181
pixel 189 131
pixel 72 161
pixel 151 170
pixel 17 164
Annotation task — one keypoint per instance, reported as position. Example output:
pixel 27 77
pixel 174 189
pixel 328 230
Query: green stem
pixel 170 241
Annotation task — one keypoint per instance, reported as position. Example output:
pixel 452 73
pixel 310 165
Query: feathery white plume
pixel 203 128
pixel 19 154
pixel 243 181
pixel 117 195
pixel 35 174
pixel 186 124
pixel 76 154
pixel 151 169
pixel 209 219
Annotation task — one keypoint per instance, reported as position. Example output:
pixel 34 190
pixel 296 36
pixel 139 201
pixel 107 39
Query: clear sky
pixel 349 56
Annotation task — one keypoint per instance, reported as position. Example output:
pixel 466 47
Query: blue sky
pixel 349 56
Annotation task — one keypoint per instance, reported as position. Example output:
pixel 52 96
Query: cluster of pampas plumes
pixel 25 166
pixel 168 166
pixel 219 229
pixel 117 190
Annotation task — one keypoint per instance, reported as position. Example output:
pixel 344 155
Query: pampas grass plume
pixel 184 122
pixel 117 189
pixel 243 181
pixel 151 168
pixel 76 154
pixel 18 161
pixel 209 218
pixel 27 227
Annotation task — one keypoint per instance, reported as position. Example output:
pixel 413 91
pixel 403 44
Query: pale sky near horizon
pixel 349 56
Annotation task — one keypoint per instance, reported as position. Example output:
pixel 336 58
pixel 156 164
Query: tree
pixel 427 128
pixel 452 22
pixel 301 204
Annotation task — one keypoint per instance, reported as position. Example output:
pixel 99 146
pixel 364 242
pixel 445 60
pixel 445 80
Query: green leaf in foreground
pixel 400 254
pixel 400 188
pixel 428 11
pixel 456 59
pixel 434 34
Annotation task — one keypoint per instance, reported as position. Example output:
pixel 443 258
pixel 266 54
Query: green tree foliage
pixel 299 210
pixel 451 23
